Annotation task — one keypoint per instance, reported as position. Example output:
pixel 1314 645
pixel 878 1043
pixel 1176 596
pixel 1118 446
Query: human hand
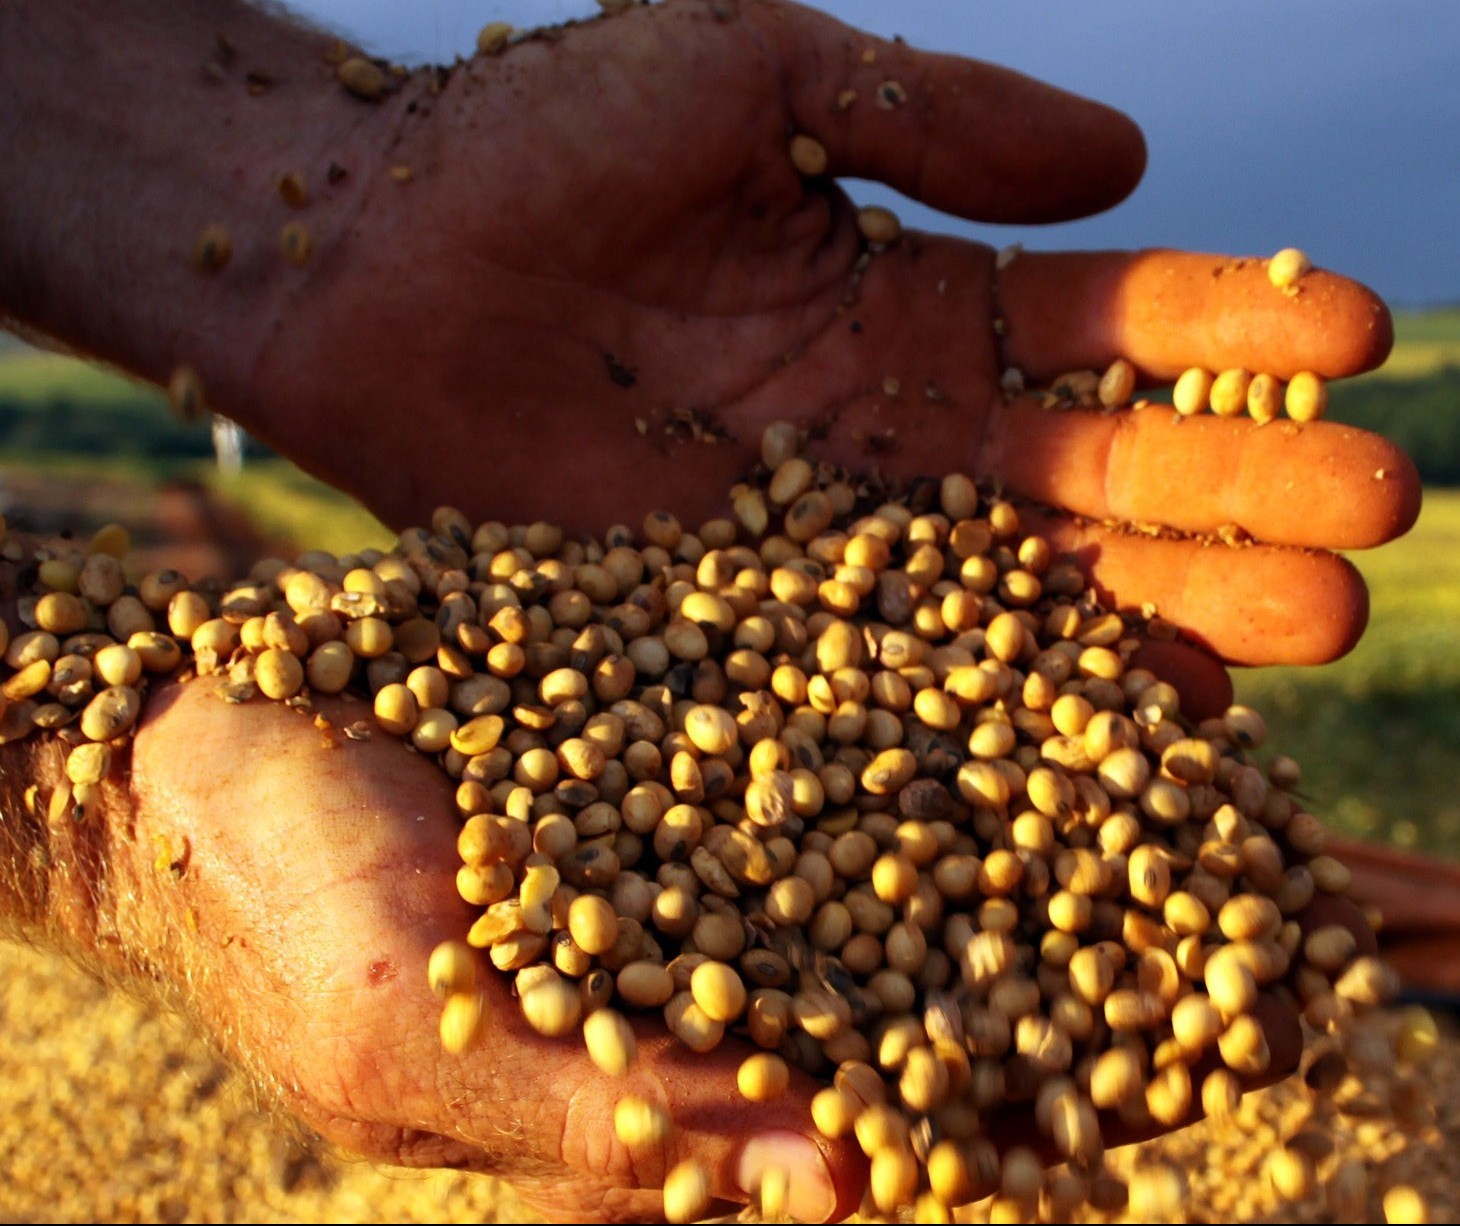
pixel 603 234
pixel 600 231
pixel 286 885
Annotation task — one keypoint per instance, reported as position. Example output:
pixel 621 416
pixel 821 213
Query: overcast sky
pixel 1332 125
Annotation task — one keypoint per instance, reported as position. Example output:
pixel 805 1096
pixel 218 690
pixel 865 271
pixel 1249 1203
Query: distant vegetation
pixel 52 405
pixel 1421 413
pixel 1378 732
pixel 1414 398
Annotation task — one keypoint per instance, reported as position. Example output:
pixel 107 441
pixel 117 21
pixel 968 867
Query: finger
pixel 736 1141
pixel 1200 679
pixel 1168 310
pixel 1321 484
pixel 1248 605
pixel 1329 909
pixel 961 135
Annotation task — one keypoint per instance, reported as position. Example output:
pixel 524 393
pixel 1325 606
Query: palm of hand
pixel 605 234
pixel 315 874
pixel 605 277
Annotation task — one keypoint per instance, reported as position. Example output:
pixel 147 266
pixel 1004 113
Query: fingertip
pixel 962 135
pixel 1126 156
pixel 1325 628
pixel 822 1179
pixel 1396 496
pixel 1202 681
pixel 1283 1029
pixel 1371 338
pixel 740 1142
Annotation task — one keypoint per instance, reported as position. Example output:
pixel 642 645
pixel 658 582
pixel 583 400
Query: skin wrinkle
pixel 589 1144
pixel 1245 489
pixel 1106 461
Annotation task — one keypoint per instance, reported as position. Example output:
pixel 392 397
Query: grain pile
pixel 864 775
pixel 111 1110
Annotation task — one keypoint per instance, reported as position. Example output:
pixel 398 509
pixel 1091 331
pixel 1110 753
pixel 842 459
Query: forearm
pixel 127 128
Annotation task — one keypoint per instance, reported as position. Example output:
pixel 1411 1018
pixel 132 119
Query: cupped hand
pixel 291 883
pixel 604 276
pixel 288 882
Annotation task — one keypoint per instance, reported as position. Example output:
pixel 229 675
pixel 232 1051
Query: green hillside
pixel 1378 732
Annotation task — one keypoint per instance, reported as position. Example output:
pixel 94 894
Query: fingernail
pixel 812 1196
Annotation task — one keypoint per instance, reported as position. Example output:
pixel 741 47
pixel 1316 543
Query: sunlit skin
pixel 602 241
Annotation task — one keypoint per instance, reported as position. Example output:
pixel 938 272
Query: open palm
pixel 604 276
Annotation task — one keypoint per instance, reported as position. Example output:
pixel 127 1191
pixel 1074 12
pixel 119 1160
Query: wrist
pixel 68 867
pixel 57 848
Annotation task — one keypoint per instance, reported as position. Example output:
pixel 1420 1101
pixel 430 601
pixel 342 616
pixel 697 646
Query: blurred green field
pixel 60 414
pixel 1378 733
pixel 1424 341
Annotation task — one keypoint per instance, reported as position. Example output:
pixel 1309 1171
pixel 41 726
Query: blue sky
pixel 1332 125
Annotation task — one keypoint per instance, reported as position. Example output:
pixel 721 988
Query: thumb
pixel 964 136
pixel 737 1142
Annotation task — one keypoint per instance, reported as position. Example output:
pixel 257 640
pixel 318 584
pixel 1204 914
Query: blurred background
pixel 1333 125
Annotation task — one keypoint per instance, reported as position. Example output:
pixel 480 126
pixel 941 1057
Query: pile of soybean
pixel 862 775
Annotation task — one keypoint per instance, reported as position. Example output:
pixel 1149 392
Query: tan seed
pixel 295 243
pixel 593 923
pixel 808 155
pixel 1243 1046
pixel 212 250
pixel 492 37
pixel 1287 268
pixel 610 1041
pixel 762 1077
pixel 639 1124
pixel 894 1178
pixel 1264 398
pixel 1192 391
pixel 719 991
pixel 552 1006
pixel 396 709
pixel 834 1111
pixel 1307 397
pixel 1403 1203
pixel 1228 395
pixel 292 190
pixel 687 1192
pixel 452 968
pixel 363 78
pixel 88 763
pixel 1118 383
pixel 464 1018
pixel 279 673
pixel 878 225
pixel 111 713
